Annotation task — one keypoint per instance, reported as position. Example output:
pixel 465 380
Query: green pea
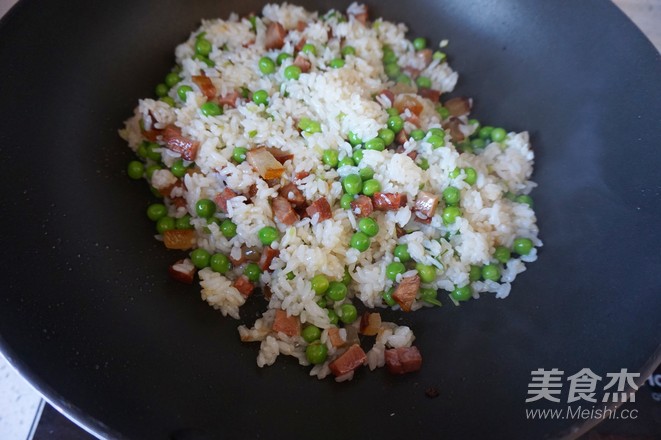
pixel 443 112
pixel 424 163
pixel 205 208
pixel 427 272
pixel 523 198
pixel 475 273
pixel 161 90
pixel 171 79
pixel 292 72
pixel 337 63
pixel 149 171
pixel 228 228
pixel 389 56
pixel 403 78
pixel 348 313
pixel 352 184
pixel 311 333
pixel 348 50
pixel 142 150
pixel 360 241
pixel 393 269
pixel 354 139
pixel 450 214
pixel 346 162
pixel 239 154
pixel 211 109
pixel 321 301
pixel 309 48
pixel 502 254
pixel 182 91
pixel 438 55
pixel 345 201
pixel 334 319
pixel 319 284
pixel 369 226
pixel 169 101
pixel 316 353
pixel 152 153
pixel 387 297
pixel 252 271
pixel 282 57
pixel 178 169
pixel 395 123
pixel 484 132
pixel 435 141
pixel 417 134
pixel 461 293
pixel 267 235
pixel 375 144
pixel 220 263
pixel 402 253
pixel 166 223
pixel 423 82
pixel 387 136
pixel 491 272
pixel 290 276
pixel 337 291
pixel 346 278
pixel 454 173
pixel 204 59
pixel 419 43
pixel 203 47
pixel 451 195
pixel 260 97
pixel 392 70
pixel 478 143
pixel 471 176
pixel 135 169
pixel 183 222
pixel 429 296
pixel 266 65
pixel 498 134
pixel 330 158
pixel 156 211
pixel 200 258
pixel 309 126
pixel 366 173
pixel 392 111
pixel 371 186
pixel 522 246
pixel 357 156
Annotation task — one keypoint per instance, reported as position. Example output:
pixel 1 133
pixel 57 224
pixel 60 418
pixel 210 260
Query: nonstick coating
pixel 89 315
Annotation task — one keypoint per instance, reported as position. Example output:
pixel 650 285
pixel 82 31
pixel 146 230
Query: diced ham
pixel 426 204
pixel 244 286
pixel 180 144
pixel 180 239
pixel 362 206
pixel 287 324
pixel 348 361
pixel 399 231
pixel 179 202
pixel 268 254
pixel 299 45
pixel 247 254
pixel 386 95
pixel 321 207
pixel 266 165
pixel 206 86
pixel 283 211
pixel 458 106
pixel 182 271
pixel 293 195
pixel 301 175
pixel 301 25
pixel 412 154
pixel 359 12
pixel 252 191
pixel 280 156
pixel 388 201
pixel 412 71
pixel 401 137
pixel 413 119
pixel 229 99
pixel 335 338
pixel 275 36
pixel 431 94
pixel 408 101
pixel 303 63
pixel 425 55
pixel 402 360
pixel 151 135
pixel 370 324
pixel 222 198
pixel 406 292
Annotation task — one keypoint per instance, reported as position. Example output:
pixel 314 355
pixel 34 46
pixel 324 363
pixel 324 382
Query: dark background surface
pixel 89 315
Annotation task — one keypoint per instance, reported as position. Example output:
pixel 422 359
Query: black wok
pixel 89 316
